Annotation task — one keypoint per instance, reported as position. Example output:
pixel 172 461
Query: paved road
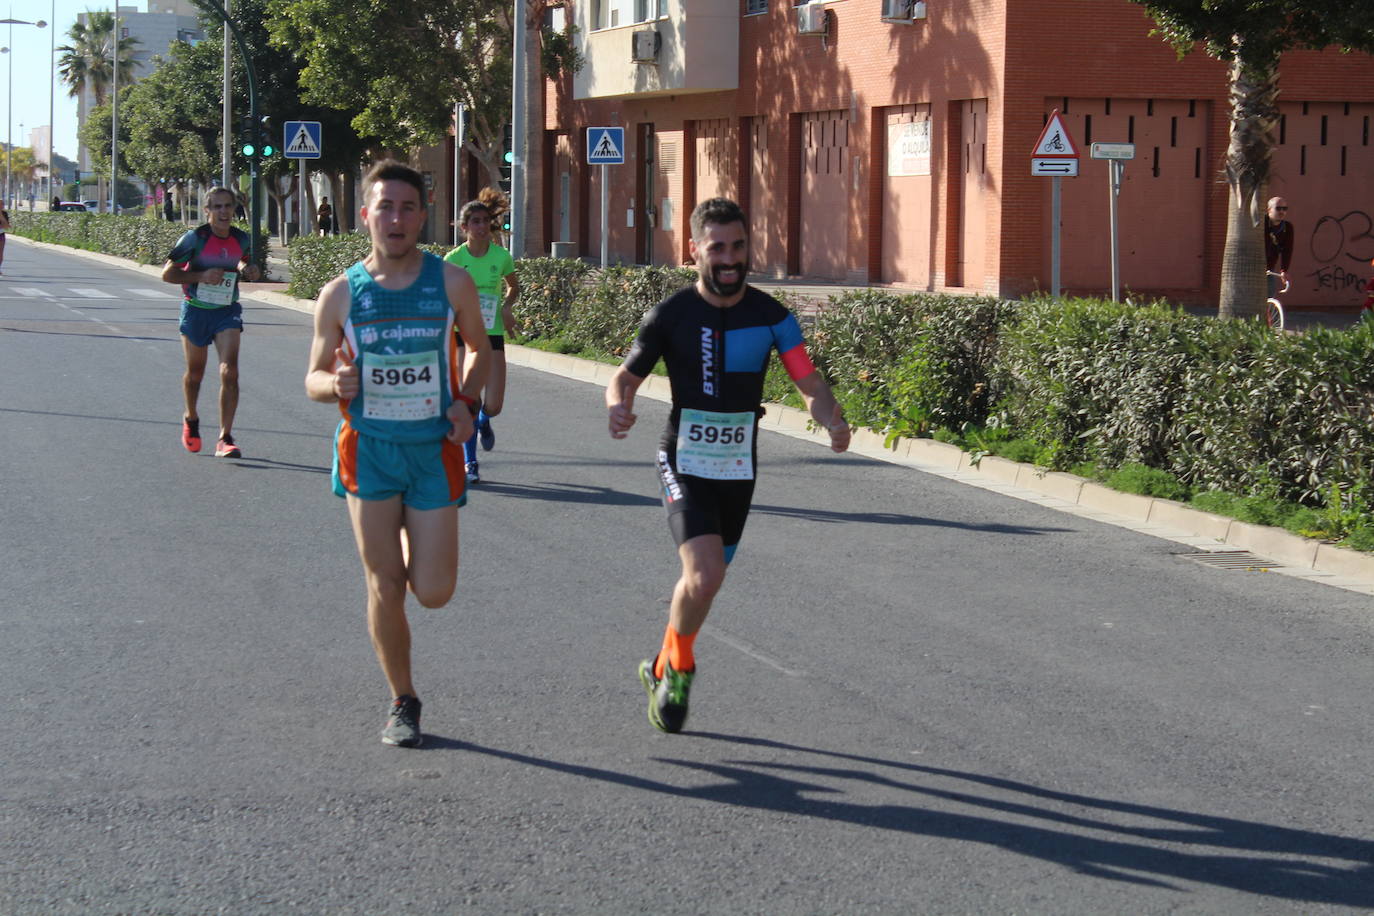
pixel 915 696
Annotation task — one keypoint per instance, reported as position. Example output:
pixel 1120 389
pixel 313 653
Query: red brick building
pixel 896 148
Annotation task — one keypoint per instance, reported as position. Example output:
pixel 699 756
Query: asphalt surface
pixel 914 696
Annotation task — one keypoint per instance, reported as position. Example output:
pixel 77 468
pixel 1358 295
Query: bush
pixel 908 364
pixel 605 318
pixel 1096 381
pixel 548 289
pixel 143 239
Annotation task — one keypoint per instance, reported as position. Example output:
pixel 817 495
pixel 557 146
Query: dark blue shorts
pixel 200 326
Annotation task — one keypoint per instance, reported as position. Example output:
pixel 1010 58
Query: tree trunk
pixel 1254 116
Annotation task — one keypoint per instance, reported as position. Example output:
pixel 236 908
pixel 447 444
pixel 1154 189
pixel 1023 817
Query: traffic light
pixel 255 146
pixel 507 159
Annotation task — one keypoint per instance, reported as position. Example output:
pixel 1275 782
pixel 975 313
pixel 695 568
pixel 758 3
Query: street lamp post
pixel 9 104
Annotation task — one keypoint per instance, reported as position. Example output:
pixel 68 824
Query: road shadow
pixel 251 463
pixel 893 518
pixel 1021 818
pixel 564 492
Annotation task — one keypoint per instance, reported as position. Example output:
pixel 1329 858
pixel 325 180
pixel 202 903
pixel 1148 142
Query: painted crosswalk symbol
pixel 301 140
pixel 303 143
pixel 605 145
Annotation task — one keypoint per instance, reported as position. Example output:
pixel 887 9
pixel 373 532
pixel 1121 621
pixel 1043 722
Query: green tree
pixel 87 63
pixel 1251 36
pixel 170 117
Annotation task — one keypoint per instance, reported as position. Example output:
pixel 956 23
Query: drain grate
pixel 1230 559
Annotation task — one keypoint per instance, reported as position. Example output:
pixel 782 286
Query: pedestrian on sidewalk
pixel 384 348
pixel 207 262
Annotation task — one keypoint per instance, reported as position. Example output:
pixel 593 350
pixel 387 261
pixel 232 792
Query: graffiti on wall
pixel 1343 246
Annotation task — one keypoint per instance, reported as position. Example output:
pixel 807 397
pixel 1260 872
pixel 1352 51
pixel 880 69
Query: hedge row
pixel 136 238
pixel 1219 405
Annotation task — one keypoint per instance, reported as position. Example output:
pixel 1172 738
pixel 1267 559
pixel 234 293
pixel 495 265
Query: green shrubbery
pixel 1275 429
pixel 136 238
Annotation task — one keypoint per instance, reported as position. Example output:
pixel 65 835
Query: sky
pixel 30 68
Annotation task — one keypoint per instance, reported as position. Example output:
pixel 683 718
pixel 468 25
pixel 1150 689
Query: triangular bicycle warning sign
pixel 303 144
pixel 1055 141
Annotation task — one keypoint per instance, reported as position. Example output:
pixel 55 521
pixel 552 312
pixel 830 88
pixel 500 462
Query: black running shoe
pixel 403 725
pixel 667 695
pixel 486 435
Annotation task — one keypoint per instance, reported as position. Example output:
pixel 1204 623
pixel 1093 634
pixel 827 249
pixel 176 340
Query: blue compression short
pixel 200 326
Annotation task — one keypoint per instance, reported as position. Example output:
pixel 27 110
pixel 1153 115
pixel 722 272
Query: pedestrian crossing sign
pixel 605 146
pixel 301 140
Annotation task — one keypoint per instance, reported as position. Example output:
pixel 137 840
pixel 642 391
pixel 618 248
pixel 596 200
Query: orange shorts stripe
pixel 454 468
pixel 347 445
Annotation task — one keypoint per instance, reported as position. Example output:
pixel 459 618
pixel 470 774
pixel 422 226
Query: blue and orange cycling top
pixel 201 249
pixel 717 357
pixel 407 356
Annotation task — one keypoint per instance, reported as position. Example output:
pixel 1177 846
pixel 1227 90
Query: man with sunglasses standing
pixel 1278 244
pixel 208 262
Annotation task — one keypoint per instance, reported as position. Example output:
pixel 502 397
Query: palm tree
pixel 86 62
pixel 1251 36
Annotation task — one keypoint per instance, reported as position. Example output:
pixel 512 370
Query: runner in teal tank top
pixel 498 288
pixel 405 348
pixel 385 350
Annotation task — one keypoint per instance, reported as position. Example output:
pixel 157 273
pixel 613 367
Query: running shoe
pixel 486 435
pixel 225 448
pixel 474 474
pixel 190 434
pixel 403 724
pixel 667 695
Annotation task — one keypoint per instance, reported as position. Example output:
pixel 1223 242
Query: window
pixel 646 10
pixel 598 11
pixel 755 6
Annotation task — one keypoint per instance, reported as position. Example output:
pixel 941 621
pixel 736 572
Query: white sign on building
pixel 908 148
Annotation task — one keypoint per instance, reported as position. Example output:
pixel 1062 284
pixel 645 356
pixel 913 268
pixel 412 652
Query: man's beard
pixel 725 290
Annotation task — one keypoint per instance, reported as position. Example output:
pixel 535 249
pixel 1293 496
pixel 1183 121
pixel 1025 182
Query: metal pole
pixel 226 123
pixel 52 80
pixel 1055 216
pixel 1113 184
pixel 305 214
pixel 114 115
pixel 459 138
pixel 518 135
pixel 9 118
pixel 605 215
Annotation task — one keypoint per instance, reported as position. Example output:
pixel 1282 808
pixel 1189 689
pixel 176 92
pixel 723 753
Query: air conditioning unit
pixel 644 46
pixel 903 11
pixel 811 19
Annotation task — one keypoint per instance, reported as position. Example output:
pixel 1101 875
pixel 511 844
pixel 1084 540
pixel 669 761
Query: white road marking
pixel 89 293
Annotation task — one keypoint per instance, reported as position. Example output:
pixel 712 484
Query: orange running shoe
pixel 225 448
pixel 190 434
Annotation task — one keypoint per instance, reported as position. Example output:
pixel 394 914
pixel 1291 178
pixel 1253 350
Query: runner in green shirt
pixel 493 270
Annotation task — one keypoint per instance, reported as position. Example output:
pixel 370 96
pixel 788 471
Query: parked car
pixel 71 206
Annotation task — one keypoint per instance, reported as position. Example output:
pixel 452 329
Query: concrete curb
pixel 1144 512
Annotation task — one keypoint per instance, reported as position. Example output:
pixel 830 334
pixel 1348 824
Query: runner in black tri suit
pixel 715 337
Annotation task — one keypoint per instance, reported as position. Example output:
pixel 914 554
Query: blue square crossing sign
pixel 605 146
pixel 301 140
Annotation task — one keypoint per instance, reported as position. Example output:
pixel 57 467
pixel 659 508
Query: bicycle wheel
pixel 1273 314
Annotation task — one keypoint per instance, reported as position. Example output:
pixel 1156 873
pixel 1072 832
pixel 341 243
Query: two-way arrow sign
pixel 1055 168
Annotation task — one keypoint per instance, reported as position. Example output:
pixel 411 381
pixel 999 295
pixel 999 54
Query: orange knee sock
pixel 676 651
